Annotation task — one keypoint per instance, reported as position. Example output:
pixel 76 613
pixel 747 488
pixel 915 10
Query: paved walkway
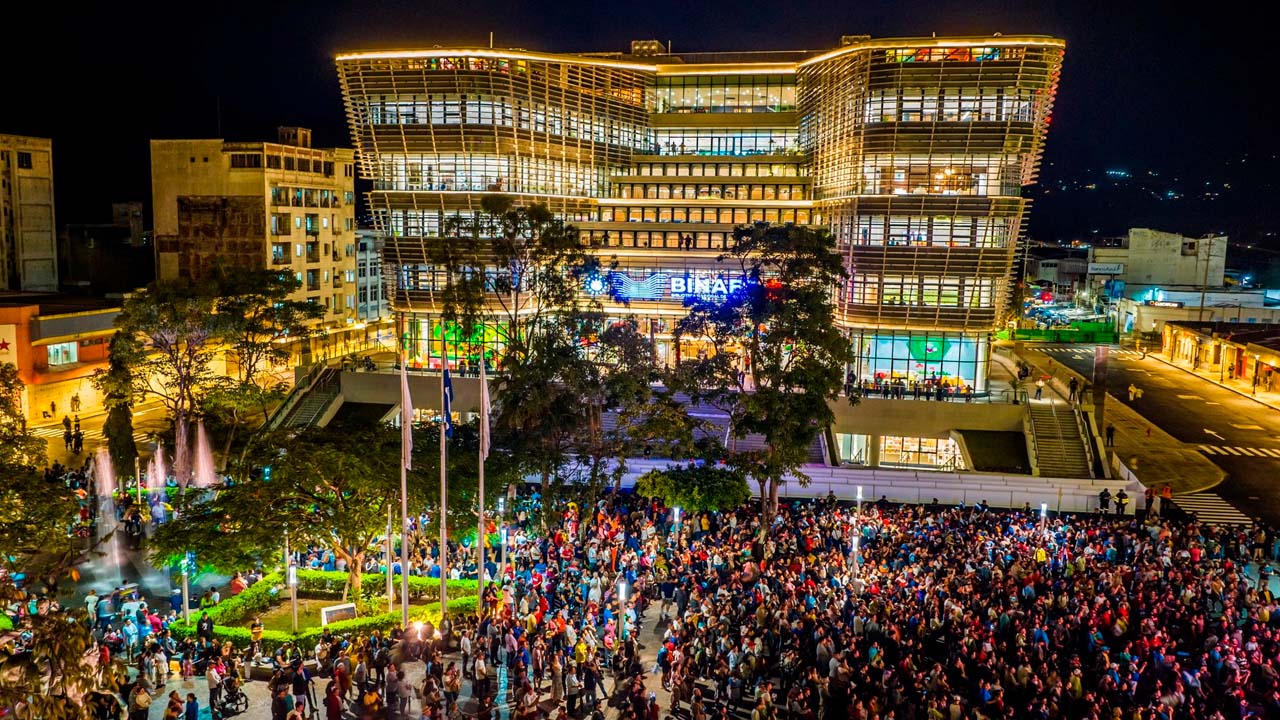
pixel 1154 456
pixel 1239 386
pixel 260 700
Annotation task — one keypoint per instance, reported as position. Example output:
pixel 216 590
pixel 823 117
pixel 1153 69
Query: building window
pixel 246 160
pixel 288 163
pixel 273 162
pixel 24 160
pixel 920 452
pixel 63 353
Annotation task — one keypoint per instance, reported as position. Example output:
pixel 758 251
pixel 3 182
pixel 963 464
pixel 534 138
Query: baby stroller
pixel 233 701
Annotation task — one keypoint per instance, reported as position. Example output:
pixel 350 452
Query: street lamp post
pixel 186 590
pixel 855 556
pixel 291 571
pixel 502 523
pixel 676 524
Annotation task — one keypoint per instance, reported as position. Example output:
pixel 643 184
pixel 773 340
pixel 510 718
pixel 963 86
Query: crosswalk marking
pixel 56 433
pixel 1238 451
pixel 1089 351
pixel 1212 509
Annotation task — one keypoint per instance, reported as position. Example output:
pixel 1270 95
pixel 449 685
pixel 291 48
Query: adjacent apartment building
pixel 912 151
pixel 283 205
pixel 28 251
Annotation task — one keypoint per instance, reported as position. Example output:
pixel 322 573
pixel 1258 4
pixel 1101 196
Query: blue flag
pixel 446 393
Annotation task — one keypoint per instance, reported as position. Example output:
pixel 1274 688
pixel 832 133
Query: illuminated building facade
pixel 913 152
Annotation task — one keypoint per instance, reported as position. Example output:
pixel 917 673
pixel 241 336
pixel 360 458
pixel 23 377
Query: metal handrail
pixel 300 389
pixel 1082 429
pixel 1029 431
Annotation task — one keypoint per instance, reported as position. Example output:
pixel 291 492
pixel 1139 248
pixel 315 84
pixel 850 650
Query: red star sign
pixel 4 344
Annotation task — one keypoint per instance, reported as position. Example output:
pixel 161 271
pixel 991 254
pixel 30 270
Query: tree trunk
pixel 181 450
pixel 354 578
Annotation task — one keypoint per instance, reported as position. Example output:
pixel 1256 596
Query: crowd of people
pixel 830 611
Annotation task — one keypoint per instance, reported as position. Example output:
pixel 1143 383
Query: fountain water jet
pixel 205 475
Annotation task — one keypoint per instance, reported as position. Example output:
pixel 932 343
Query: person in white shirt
pixel 91 604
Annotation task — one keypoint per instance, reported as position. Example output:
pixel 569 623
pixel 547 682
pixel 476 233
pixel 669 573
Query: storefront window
pixel 930 453
pixel 948 358
pixel 63 353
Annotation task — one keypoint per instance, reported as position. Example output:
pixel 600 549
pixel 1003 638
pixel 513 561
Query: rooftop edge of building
pixel 657 62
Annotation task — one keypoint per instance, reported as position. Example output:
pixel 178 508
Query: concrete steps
pixel 1059 448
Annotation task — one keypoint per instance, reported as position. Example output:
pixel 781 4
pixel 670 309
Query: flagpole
pixel 444 497
pixel 406 416
pixel 484 432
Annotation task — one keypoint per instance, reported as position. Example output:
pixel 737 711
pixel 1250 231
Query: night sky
pixel 1144 89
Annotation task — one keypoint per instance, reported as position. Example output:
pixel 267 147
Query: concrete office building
pixel 1146 259
pixel 281 205
pixel 912 151
pixel 28 251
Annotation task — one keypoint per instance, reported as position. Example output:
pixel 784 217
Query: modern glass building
pixel 912 151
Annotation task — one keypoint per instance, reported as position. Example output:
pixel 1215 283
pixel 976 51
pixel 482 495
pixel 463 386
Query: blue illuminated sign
pixel 661 286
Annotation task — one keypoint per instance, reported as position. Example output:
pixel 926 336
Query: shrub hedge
pixel 268 591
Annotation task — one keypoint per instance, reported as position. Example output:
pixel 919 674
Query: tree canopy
pixel 52 678
pixel 778 356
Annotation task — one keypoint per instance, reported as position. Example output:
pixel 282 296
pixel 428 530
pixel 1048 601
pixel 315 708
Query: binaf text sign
pixel 664 286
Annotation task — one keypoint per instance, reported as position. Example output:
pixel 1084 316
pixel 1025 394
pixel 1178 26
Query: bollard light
pixel 1044 510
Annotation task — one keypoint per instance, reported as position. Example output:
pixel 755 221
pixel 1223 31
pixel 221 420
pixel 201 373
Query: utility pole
pixel 1204 283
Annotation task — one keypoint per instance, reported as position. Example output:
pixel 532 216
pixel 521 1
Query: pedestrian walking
pixel 1039 388
pixel 1073 387
pixel 1111 435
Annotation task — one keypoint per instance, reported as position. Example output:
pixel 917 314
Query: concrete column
pixel 873 451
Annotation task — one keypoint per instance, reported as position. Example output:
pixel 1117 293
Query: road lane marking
pixel 1233 451
pixel 1190 397
pixel 1210 450
pixel 1246 427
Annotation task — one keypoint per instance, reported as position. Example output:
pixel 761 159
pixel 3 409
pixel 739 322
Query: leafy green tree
pixel 263 322
pixel 116 383
pixel 328 487
pixel 36 517
pixel 695 488
pixel 520 269
pixel 781 324
pixel 20 447
pixel 175 335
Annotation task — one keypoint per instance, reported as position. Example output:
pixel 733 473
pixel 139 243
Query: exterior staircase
pixel 317 399
pixel 1058 446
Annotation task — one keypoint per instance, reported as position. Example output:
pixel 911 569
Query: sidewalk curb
pixel 1222 385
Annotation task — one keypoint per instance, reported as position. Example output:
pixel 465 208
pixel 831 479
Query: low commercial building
pixel 57 342
pixel 1241 356
pixel 1147 314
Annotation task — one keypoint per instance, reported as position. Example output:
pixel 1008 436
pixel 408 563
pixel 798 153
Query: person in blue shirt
pixel 192 708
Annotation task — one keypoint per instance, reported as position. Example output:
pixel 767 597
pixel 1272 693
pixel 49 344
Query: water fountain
pixel 205 474
pixel 157 476
pixel 104 476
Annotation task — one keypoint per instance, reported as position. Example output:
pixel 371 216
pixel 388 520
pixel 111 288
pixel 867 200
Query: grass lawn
pixel 280 617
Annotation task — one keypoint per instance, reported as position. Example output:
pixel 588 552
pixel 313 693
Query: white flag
pixel 484 410
pixel 406 420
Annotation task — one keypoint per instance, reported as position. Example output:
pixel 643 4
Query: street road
pixel 147 419
pixel 1236 433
